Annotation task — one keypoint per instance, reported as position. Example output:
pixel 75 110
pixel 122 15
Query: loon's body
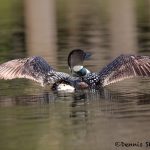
pixel 37 69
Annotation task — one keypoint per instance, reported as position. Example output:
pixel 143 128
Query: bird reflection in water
pixel 82 103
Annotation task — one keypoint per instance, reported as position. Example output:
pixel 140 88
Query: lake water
pixel 36 118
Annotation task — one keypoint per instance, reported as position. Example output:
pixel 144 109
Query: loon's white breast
pixel 65 88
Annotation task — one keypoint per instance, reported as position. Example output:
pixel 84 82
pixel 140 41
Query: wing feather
pixel 34 68
pixel 125 66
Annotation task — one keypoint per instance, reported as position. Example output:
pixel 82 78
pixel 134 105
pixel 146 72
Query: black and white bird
pixel 37 69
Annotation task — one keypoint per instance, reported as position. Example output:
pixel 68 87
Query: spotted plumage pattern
pixel 92 79
pixel 123 67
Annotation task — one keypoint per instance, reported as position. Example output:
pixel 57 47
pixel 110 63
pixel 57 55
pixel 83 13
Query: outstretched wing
pixel 34 68
pixel 125 66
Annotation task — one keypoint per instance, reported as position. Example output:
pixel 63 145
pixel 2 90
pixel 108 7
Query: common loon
pixel 37 69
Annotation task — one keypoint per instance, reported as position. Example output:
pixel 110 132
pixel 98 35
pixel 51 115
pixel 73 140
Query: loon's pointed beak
pixel 87 55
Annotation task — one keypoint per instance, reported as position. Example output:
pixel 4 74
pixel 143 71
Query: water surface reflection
pixel 54 120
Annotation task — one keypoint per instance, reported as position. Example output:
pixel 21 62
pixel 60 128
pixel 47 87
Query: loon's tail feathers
pixel 125 66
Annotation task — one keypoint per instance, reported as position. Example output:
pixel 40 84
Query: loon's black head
pixel 76 57
pixel 75 62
